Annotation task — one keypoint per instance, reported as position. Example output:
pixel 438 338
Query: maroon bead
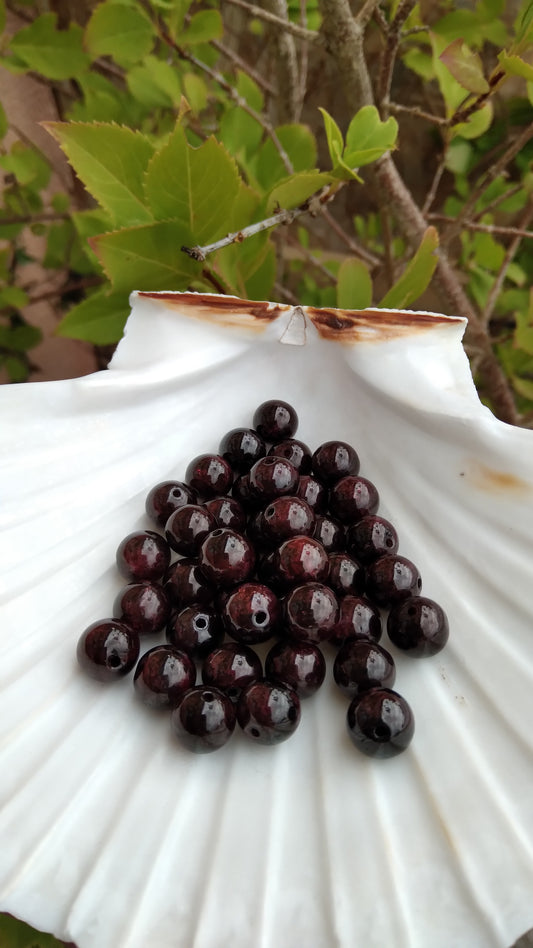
pixel 299 665
pixel 251 613
pixel 313 492
pixel 143 555
pixel 242 492
pixel 210 475
pixel 346 575
pixel 108 649
pixel 294 451
pixel 231 668
pixel 163 675
pixel 352 498
pixel 268 712
pixel 392 578
pixel 271 477
pixel 188 527
pixel 204 719
pixel 242 447
pixel 286 517
pixel 275 420
pixel 418 626
pixel 268 573
pixel 357 617
pixel 380 723
pixel 166 497
pixel 333 460
pixel 196 629
pixel 329 533
pixel 371 537
pixel 186 583
pixel 145 607
pixel 300 560
pixel 227 557
pixel 362 664
pixel 228 512
pixel 310 613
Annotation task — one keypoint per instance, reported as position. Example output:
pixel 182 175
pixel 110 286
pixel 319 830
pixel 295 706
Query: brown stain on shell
pixel 223 310
pixel 496 482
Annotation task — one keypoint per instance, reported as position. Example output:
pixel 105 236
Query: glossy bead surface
pixel 231 668
pixel 163 675
pixel 362 664
pixel 187 528
pixel 108 649
pixel 166 497
pixel 268 712
pixel 418 626
pixel 143 555
pixel 372 537
pixel 392 578
pixel 204 720
pixel 310 613
pixel 228 512
pixel 333 460
pixel 298 453
pixel 352 498
pixel 300 665
pixel 251 613
pixel 380 723
pixel 186 583
pixel 286 517
pixel 242 447
pixel 275 420
pixel 357 617
pixel 145 607
pixel 196 629
pixel 329 533
pixel 226 557
pixel 313 492
pixel 346 575
pixel 210 475
pixel 271 477
pixel 300 560
pixel 242 492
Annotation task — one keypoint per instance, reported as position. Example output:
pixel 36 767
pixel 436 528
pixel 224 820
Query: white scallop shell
pixel 113 836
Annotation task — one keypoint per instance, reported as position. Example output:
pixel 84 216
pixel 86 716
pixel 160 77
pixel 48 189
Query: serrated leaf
pixel 110 160
pixel 296 189
pixel 98 319
pixel 515 66
pixel 55 54
pixel 333 135
pixel 416 276
pixel 368 137
pixel 154 83
pixel 196 186
pixel 124 33
pixel 354 285
pixel 204 26
pixel 465 66
pixel 300 146
pixel 148 257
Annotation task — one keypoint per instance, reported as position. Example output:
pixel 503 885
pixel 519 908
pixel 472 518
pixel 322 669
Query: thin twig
pixel 287 26
pixel 244 66
pixel 357 249
pixel 398 109
pixel 497 229
pixel 389 54
pixel 507 260
pixel 498 200
pixel 366 13
pixel 464 112
pixel 430 196
pixel 42 217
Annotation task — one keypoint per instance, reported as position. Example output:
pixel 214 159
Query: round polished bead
pixel 357 617
pixel 231 668
pixel 204 720
pixel 313 492
pixel 196 629
pixel 108 649
pixel 251 613
pixel 418 626
pixel 187 528
pixel 145 607
pixel 228 512
pixel 242 447
pixel 226 557
pixel 186 583
pixel 143 555
pixel 242 492
pixel 352 498
pixel 275 420
pixel 300 560
pixel 300 665
pixel 286 517
pixel 166 497
pixel 268 712
pixel 362 664
pixel 333 460
pixel 380 723
pixel 163 675
pixel 209 475
pixel 371 537
pixel 346 575
pixel 392 578
pixel 294 451
pixel 310 613
pixel 329 533
pixel 271 477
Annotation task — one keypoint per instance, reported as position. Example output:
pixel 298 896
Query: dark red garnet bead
pixel 268 712
pixel 392 578
pixel 196 629
pixel 286 517
pixel 357 617
pixel 418 626
pixel 333 460
pixel 143 555
pixel 186 583
pixel 188 527
pixel 362 664
pixel 380 723
pixel 231 668
pixel 204 720
pixel 210 475
pixel 267 572
pixel 242 447
pixel 166 497
pixel 145 607
pixel 163 675
pixel 310 613
pixel 108 649
pixel 271 477
pixel 346 575
pixel 371 537
pixel 275 420
pixel 242 492
pixel 313 492
pixel 294 451
pixel 299 665
pixel 226 557
pixel 352 498
pixel 251 613
pixel 228 512
pixel 300 560
pixel 329 533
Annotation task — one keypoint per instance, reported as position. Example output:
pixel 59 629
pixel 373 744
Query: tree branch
pixel 287 68
pixel 507 260
pixel 268 17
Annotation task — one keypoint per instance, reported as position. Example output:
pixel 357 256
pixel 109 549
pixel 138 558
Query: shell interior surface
pixel 112 836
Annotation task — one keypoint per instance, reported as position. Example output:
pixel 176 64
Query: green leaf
pixel 196 186
pixel 147 258
pixel 416 276
pixel 123 32
pixel 13 296
pixel 28 166
pixel 477 124
pixel 465 66
pixel 4 123
pixel 13 932
pixel 333 135
pixel 195 92
pixel 17 369
pixel 58 245
pixel 239 131
pixel 300 146
pixel 55 54
pixel 98 319
pixel 354 285
pixel 523 334
pixel 154 83
pixel 2 16
pixel 20 338
pixel 515 66
pixel 296 189
pixel 204 26
pixel 368 137
pixel 111 161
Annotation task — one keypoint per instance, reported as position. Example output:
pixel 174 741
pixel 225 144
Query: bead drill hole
pixel 201 623
pixel 254 732
pixel 389 541
pixel 292 714
pixel 216 533
pixel 209 696
pixel 260 618
pixel 114 661
pixel 381 732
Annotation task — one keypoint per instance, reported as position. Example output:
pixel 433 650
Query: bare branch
pixel 344 35
pixel 499 230
pixel 397 109
pixel 507 260
pixel 389 55
pixel 287 68
pixel 241 64
pixel 357 249
pixel 268 17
